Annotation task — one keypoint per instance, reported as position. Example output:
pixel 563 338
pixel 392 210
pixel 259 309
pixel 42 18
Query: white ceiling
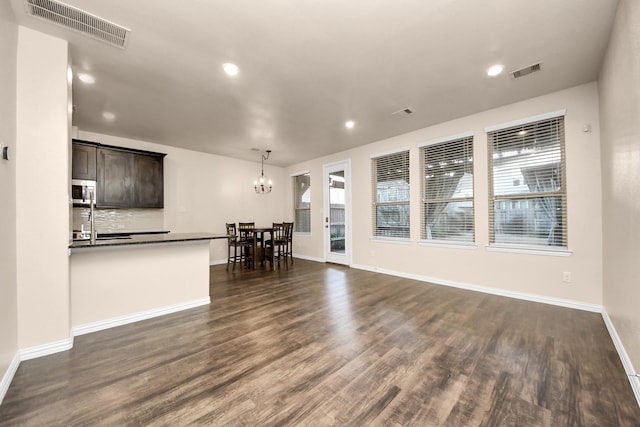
pixel 307 66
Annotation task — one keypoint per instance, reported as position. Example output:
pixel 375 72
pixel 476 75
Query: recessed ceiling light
pixel 495 70
pixel 86 78
pixel 350 124
pixel 230 69
pixel 108 115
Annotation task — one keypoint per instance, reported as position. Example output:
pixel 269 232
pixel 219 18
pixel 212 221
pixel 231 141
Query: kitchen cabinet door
pixel 115 178
pixel 148 181
pixel 83 162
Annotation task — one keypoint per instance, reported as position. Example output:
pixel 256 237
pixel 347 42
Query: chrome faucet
pixel 92 220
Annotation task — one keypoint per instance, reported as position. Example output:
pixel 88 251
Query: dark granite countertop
pixel 143 239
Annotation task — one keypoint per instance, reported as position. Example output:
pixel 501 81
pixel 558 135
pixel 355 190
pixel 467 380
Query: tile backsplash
pixel 120 220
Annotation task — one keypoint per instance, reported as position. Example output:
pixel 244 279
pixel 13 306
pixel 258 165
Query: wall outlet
pixel 566 276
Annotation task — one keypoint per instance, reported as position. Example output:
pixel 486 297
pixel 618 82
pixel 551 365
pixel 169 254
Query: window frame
pixel 376 159
pixel 529 247
pixel 296 209
pixel 462 138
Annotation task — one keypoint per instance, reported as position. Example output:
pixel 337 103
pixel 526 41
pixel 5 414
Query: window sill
pixel 530 250
pixel 394 240
pixel 447 244
pixel 301 234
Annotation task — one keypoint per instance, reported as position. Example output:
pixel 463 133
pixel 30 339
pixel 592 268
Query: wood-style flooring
pixel 321 344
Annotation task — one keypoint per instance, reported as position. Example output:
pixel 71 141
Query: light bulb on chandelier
pixel 260 186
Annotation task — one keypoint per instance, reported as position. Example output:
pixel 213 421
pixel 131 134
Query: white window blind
pixel 390 179
pixel 302 203
pixel 527 200
pixel 447 191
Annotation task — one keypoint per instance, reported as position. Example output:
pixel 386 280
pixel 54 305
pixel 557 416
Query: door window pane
pixel 337 212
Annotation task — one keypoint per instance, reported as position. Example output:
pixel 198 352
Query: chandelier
pixel 260 185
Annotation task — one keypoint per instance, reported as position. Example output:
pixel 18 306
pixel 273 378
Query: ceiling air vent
pixel 78 20
pixel 526 70
pixel 406 111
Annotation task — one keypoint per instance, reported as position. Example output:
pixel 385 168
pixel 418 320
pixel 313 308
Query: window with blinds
pixel 302 203
pixel 528 199
pixel 447 191
pixel 390 178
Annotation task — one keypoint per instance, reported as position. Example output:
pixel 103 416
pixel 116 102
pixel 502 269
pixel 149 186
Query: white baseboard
pixel 218 262
pixel 8 375
pixel 136 317
pixel 310 258
pixel 46 349
pixel 487 290
pixel 624 357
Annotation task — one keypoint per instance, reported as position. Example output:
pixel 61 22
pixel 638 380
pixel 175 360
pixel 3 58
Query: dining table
pixel 258 243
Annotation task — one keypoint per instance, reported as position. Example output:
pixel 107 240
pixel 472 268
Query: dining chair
pixel 246 231
pixel 277 245
pixel 235 244
pixel 247 235
pixel 289 230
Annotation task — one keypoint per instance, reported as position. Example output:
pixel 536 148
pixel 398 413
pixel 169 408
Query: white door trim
pixel 326 169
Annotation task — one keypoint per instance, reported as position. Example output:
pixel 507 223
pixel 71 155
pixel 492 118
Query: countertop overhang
pixel 144 239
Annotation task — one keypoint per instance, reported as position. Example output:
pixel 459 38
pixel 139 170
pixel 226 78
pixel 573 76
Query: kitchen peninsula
pixel 121 277
pixel 123 280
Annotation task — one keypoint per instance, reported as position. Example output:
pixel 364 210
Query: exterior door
pixel 337 212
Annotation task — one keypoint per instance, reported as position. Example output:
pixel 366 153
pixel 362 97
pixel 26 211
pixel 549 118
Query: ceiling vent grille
pixel 406 111
pixel 526 70
pixel 78 20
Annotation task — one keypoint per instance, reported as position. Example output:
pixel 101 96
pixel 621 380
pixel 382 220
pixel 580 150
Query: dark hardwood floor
pixel 327 345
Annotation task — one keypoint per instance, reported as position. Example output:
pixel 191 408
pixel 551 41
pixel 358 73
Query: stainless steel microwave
pixel 81 191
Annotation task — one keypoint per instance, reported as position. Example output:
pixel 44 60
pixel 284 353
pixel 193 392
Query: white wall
pixel 619 87
pixel 8 286
pixel 42 186
pixel 524 273
pixel 204 191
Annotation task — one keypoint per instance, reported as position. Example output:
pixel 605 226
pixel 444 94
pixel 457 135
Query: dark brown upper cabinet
pixel 130 179
pixel 126 178
pixel 83 161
